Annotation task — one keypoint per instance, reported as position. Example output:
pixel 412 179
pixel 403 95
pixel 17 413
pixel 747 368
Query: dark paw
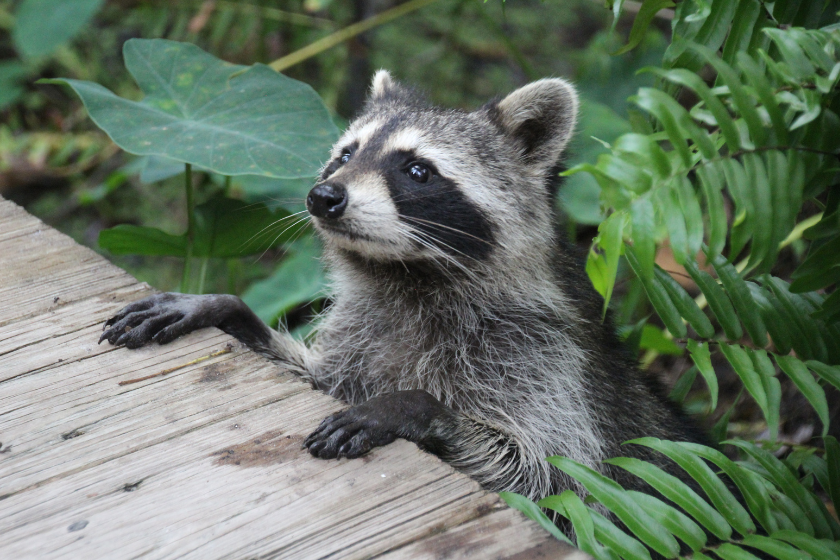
pixel 350 433
pixel 160 318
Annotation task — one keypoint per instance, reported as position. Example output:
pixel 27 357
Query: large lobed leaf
pixel 234 120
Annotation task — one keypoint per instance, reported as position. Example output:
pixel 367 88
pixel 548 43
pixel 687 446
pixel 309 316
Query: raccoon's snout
pixel 327 201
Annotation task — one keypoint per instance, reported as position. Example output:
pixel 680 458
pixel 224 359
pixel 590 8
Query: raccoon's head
pixel 409 182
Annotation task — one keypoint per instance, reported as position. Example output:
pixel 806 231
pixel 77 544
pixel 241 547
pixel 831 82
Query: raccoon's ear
pixel 540 117
pixel 382 85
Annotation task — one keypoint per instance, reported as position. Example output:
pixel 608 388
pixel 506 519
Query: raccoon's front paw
pixel 160 318
pixel 351 433
pixel 379 421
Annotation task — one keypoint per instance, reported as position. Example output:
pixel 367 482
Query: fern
pixel 762 137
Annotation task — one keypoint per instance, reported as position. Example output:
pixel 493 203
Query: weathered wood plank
pixel 498 535
pixel 58 272
pixel 204 462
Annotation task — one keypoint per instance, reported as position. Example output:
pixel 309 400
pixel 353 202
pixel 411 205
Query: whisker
pixel 269 226
pixel 304 219
pixel 444 227
pixel 417 236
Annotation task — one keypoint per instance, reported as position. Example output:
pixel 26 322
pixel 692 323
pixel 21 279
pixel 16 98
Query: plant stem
pixel 202 275
pixel 185 279
pixel 278 15
pixel 348 32
pixel 233 274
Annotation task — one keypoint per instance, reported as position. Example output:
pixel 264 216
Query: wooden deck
pixel 202 462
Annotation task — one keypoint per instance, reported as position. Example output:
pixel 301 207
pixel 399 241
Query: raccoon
pixel 461 319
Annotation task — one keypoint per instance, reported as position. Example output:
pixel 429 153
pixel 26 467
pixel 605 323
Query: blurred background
pixel 57 164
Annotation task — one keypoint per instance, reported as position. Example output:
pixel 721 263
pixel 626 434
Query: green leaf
pixel 811 274
pixel 41 26
pixel 795 58
pixel 137 240
pixel 731 552
pixel 743 26
pixel 678 492
pixel 743 366
pixel 578 514
pixel 602 266
pixel 711 180
pixel 718 301
pixel 742 299
pixel 719 430
pixel 832 458
pixel 224 228
pixel 712 485
pixel 683 385
pixel 807 385
pixel 796 314
pixel 693 215
pixel 686 306
pixel 776 548
pixel 743 220
pixel 617 500
pixel 779 474
pixel 233 120
pixel 709 30
pixel 772 388
pixel 675 222
pixel 796 518
pixel 646 14
pixel 831 374
pixel 644 245
pixel 653 338
pixel 764 90
pixel 679 524
pixel 683 77
pixel 534 513
pixel 743 102
pixel 759 192
pixel 750 484
pixel 780 187
pixel 659 298
pixel 702 359
pixel 299 279
pixel 830 309
pixel 672 116
pixel 812 546
pixel 227 228
pixel 617 540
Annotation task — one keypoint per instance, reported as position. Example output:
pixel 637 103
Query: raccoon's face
pixel 409 182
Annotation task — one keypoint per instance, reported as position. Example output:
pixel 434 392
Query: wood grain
pixel 203 462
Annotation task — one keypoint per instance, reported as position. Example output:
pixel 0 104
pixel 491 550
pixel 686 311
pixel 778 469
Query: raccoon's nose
pixel 327 201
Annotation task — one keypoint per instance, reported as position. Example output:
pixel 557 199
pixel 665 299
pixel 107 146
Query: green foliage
pixel 224 228
pixel 231 119
pixel 300 278
pixel 44 25
pixel 728 183
pixel 227 119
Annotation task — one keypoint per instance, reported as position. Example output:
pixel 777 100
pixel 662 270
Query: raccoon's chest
pixel 376 354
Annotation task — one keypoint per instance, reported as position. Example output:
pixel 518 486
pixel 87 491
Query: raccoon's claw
pixel 350 433
pixel 353 432
pixel 160 318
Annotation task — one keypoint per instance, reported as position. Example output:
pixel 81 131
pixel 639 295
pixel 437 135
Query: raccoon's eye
pixel 418 173
pixel 345 156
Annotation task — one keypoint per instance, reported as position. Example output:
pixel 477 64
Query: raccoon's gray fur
pixel 460 319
